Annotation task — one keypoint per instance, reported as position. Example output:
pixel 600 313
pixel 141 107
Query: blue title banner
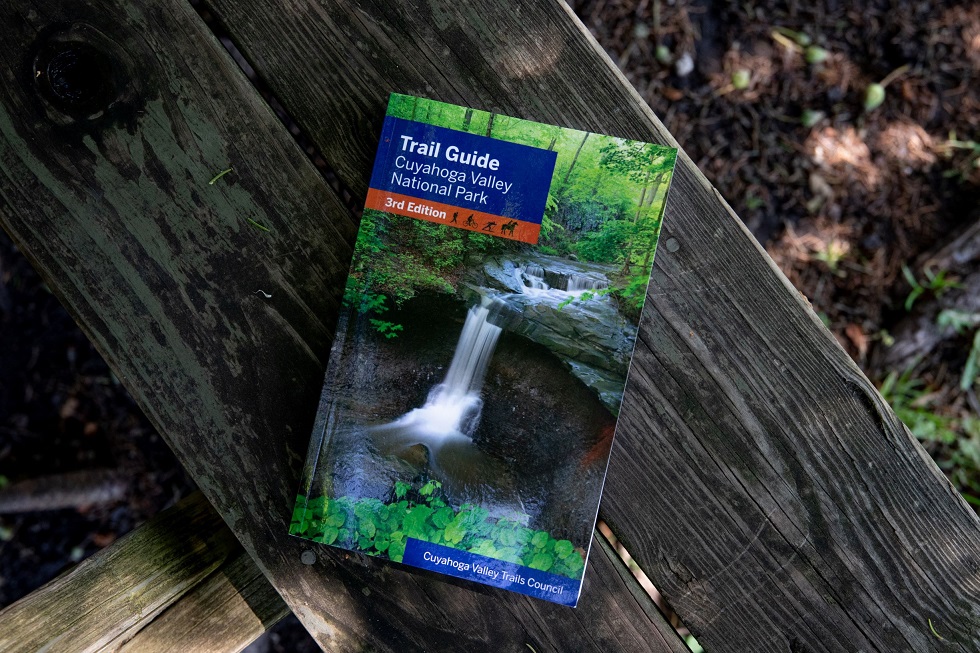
pixel 490 571
pixel 463 170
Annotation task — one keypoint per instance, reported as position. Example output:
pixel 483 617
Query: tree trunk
pixel 490 124
pixel 574 160
pixel 656 188
pixel 467 118
pixel 636 220
pixel 643 196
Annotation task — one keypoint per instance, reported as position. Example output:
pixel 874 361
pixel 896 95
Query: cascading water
pixel 531 277
pixel 446 423
pixel 580 283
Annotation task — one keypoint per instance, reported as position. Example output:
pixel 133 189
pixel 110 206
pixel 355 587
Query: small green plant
pixel 814 54
pixel 960 322
pixel 874 96
pixel 584 297
pixel 969 164
pixel 801 43
pixel 421 511
pixel 387 329
pixel 935 282
pixel 832 254
pixel 972 366
pixel 810 117
pixel 912 404
pixel 874 93
pixel 741 79
pixel 790 39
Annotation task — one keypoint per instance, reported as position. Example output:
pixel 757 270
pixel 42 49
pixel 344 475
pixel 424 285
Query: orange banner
pixel 453 216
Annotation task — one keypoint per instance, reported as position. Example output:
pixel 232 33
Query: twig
pixel 219 176
pixel 257 225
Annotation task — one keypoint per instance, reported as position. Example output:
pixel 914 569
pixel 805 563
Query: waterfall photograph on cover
pixel 476 376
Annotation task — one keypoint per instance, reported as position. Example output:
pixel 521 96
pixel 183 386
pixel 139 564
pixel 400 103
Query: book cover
pixel 481 355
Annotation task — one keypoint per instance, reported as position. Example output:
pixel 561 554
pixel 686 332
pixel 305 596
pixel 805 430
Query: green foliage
pixel 418 259
pixel 963 465
pixel 955 443
pixel 966 164
pixel 420 511
pixel 832 255
pixel 972 366
pixel 606 245
pixel 387 329
pixel 961 321
pixel 632 159
pixel 911 402
pixel 633 293
pixel 935 282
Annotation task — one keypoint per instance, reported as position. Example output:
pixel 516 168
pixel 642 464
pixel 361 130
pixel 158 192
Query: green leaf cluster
pixel 910 400
pixel 421 511
pixel 936 282
pixel 954 443
pixel 395 258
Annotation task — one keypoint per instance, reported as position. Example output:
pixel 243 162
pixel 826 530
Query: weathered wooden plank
pixel 110 596
pixel 758 478
pixel 223 614
pixel 213 301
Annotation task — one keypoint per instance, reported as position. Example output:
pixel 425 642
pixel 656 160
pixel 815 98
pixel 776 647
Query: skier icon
pixel 489 226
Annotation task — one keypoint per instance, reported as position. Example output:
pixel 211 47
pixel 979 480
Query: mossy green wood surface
pixel 108 598
pixel 758 477
pixel 218 327
pixel 222 614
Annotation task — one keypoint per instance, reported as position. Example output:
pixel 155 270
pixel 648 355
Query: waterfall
pixel 580 283
pixel 445 424
pixel 532 276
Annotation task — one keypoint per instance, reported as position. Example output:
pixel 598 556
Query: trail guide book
pixel 482 350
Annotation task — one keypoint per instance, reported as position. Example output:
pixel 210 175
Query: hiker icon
pixel 455 215
pixel 470 222
pixel 508 227
pixel 489 226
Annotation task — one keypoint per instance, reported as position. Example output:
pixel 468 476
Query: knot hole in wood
pixel 81 75
pixel 76 78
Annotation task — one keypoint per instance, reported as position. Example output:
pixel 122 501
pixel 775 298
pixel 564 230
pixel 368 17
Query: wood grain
pixel 758 477
pixel 223 614
pixel 110 596
pixel 213 303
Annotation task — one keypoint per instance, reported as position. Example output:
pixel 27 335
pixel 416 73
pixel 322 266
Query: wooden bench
pixel 757 477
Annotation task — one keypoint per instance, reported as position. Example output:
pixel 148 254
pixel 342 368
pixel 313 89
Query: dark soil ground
pixel 840 196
